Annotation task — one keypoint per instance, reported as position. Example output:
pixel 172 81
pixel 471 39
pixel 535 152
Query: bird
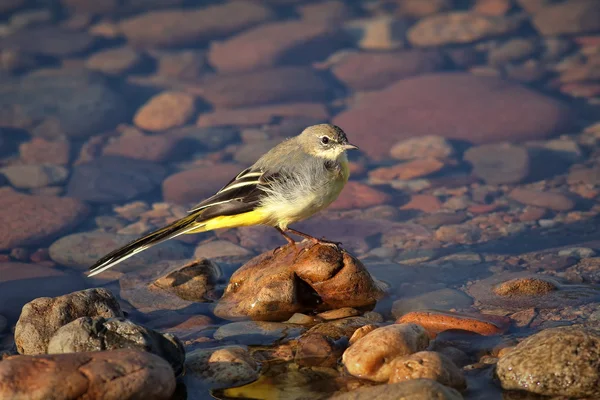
pixel 293 181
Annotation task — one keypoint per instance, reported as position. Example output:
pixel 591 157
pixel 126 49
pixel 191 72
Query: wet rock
pixel 514 50
pixel 339 313
pixel 318 350
pixel 113 179
pixel 267 86
pixel 428 146
pixel 165 110
pixel 81 250
pixel 257 332
pixel 370 356
pixel 492 7
pixel 300 278
pixel 220 367
pixel 332 11
pixel 117 374
pixel 34 176
pixel 277 43
pixel 372 71
pixel 194 281
pixel 439 103
pixel 48 41
pixel 99 334
pixel 458 27
pixel 443 300
pixel 42 317
pixel 88 105
pixel 438 321
pixel 361 333
pixel 190 26
pixel 134 144
pixel 358 196
pixel 341 328
pixel 406 171
pixel 463 234
pixel 578 253
pixel 589 176
pixel 553 201
pixel 524 290
pixel 221 249
pixel 114 61
pixel 378 33
pixel 181 64
pixel 53 215
pixel 181 188
pixel 423 202
pixel 422 8
pixel 208 138
pixel 499 163
pixel 554 362
pixel 257 116
pixel 42 151
pixel 415 389
pixel 568 18
pixel 428 365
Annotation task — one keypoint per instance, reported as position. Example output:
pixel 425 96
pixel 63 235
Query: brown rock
pixel 263 115
pixel 135 144
pixel 183 64
pixel 42 317
pixel 317 350
pixel 27 220
pixel 553 201
pixel 590 176
pixel 438 321
pixel 331 11
pixel 194 281
pixel 453 105
pixel 463 234
pixel 362 332
pixel 182 187
pixel 357 195
pixel 423 202
pixel 301 277
pixel 499 163
pixel 180 27
pixel 225 366
pixel 406 171
pixel 114 61
pixel 277 43
pixel 524 287
pixel 110 375
pixel 42 151
pixel 427 147
pixel 48 41
pixel 429 365
pixel 568 18
pixel 422 8
pixel 418 389
pixel 372 71
pixel 492 7
pixel 278 85
pixel 370 357
pixel 165 110
pixel 458 27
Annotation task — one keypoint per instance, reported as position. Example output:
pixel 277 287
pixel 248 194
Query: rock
pixel 208 138
pixel 331 11
pixel 422 8
pixel 340 328
pixel 339 313
pixel 300 278
pixel 524 287
pixel 361 333
pixel 267 86
pixel 111 375
pixel 452 106
pixel 42 151
pixel 221 367
pixel 221 249
pixel 194 281
pixel 406 171
pixel 438 321
pixel 372 71
pixel 514 50
pixel 165 110
pixel 48 41
pixel 112 179
pixel 134 144
pixel 492 7
pixel 257 332
pixel 42 317
pixel 53 215
pixel 357 195
pixel 442 300
pixel 568 18
pixel 370 356
pixel 263 115
pixel 182 187
pixel 115 61
pixel 428 365
pixel 88 104
pixel 423 147
pixel 590 176
pixel 277 43
pixel 180 64
pixel 418 389
pixel 191 26
pixel 81 250
pixel 117 8
pixel 554 362
pixel 463 234
pixel 423 202
pixel 458 27
pixel 378 33
pixel 317 350
pixel 578 253
pixel 553 201
pixel 99 334
pixel 34 176
pixel 499 163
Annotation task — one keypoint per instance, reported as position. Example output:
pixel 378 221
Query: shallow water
pixel 138 110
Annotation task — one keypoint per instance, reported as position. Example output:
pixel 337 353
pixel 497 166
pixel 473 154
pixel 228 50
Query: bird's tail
pixel 179 227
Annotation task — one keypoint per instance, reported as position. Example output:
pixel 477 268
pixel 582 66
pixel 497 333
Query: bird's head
pixel 325 141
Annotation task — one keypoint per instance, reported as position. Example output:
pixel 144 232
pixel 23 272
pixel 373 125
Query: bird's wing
pixel 243 193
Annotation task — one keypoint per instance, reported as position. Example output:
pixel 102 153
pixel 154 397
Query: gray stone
pixel 34 176
pixel 220 367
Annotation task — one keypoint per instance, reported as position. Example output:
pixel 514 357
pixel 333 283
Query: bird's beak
pixel 349 146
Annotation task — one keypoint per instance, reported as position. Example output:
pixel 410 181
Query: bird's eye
pixel 324 140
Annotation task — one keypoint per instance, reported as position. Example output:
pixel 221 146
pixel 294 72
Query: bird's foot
pixel 326 242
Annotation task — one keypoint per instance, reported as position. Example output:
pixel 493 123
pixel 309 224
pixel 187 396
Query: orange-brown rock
pixel 406 171
pixel 165 110
pixel 438 321
pixel 428 365
pixel 297 278
pixel 358 195
pixel 108 375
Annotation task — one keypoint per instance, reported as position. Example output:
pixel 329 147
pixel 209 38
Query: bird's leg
pixel 286 236
pixel 312 238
